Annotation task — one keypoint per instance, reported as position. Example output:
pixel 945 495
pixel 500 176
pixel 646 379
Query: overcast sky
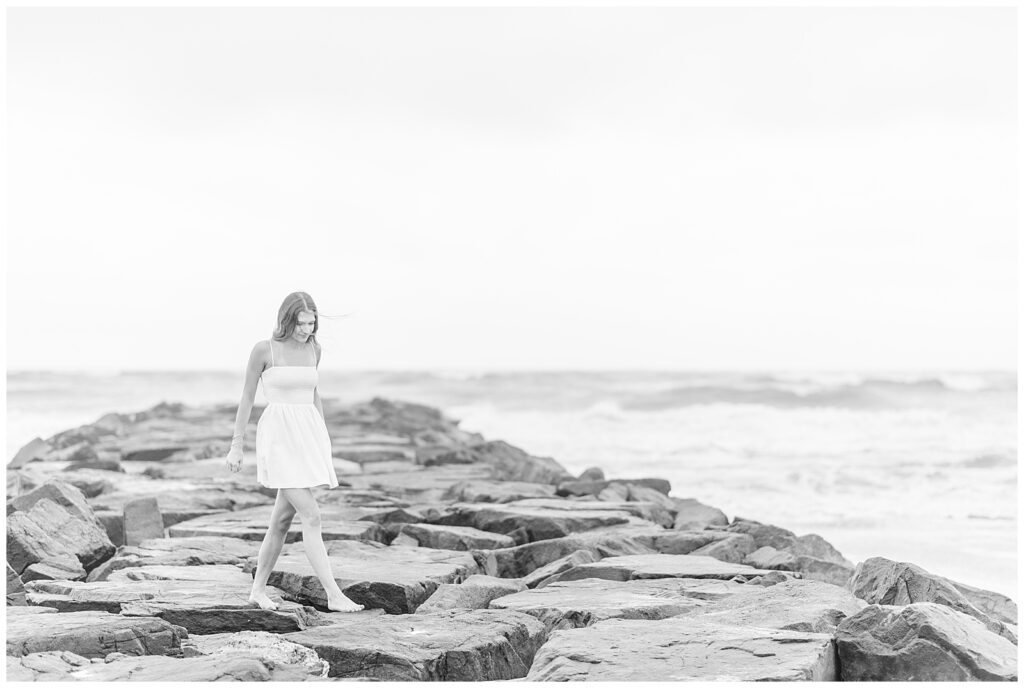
pixel 580 188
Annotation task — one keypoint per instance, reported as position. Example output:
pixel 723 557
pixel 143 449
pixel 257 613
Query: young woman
pixel 293 450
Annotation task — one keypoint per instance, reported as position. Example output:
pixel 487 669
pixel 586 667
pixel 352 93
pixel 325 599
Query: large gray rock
pixel 183 551
pixel 269 647
pixel 200 599
pixel 512 463
pixel 794 605
pixel 48 531
pixel 922 641
pixel 66 666
pixel 142 521
pixel 658 566
pixel 882 581
pixel 89 634
pixel 395 579
pixel 813 556
pixel 583 602
pixel 476 592
pixel 59 568
pixel 251 524
pixel 810 567
pixel 651 511
pixel 582 487
pixel 59 492
pixel 683 648
pixel 536 522
pixel 732 547
pixel 996 605
pixel 462 538
pixel 693 515
pixel 15 588
pixel 497 491
pixel 456 645
pixel 632 538
pixel 539 577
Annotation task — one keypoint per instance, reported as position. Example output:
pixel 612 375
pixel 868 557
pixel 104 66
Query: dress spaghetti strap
pixel 270 342
pixel 313 347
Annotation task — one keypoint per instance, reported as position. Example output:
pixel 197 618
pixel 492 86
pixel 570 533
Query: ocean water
pixel 915 467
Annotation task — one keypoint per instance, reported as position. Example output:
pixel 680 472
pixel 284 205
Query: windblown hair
pixel 288 315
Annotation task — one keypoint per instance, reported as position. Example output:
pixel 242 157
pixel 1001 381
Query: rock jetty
pixel 131 548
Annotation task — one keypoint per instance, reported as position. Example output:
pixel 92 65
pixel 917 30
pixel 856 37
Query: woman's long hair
pixel 288 315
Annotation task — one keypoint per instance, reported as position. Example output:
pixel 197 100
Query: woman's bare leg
pixel 273 541
pixel 309 511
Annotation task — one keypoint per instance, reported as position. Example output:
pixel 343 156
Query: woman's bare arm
pixel 253 370
pixel 316 392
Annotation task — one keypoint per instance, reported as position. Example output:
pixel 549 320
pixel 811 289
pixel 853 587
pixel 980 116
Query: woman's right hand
pixel 234 459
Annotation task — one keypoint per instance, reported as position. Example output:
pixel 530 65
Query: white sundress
pixel 293 448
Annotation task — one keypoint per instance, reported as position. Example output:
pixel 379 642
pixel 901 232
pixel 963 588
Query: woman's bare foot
pixel 261 599
pixel 340 603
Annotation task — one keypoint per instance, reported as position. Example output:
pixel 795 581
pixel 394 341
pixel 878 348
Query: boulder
pixel 583 602
pixel 497 491
pixel 650 511
pixel 150 668
pixel 46 531
pixel 882 581
pixel 184 551
pixel 201 599
pixel 515 562
pixel 476 592
pixel 922 641
pixel 395 579
pixel 89 634
pixel 142 520
pixel 512 463
pixel 591 474
pixel 455 645
pixel 812 555
pixel 683 648
pixel 258 644
pixel 59 492
pixel 732 547
pixel 460 538
pixel 539 577
pixel 657 566
pixel 693 515
pixel 32 451
pixel 538 522
pixel 251 524
pixel 55 568
pixel 996 605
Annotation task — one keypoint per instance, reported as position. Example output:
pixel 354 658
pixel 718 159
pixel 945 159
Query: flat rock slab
pixel 89 634
pixel 210 601
pixel 682 648
pixel 497 491
pixel 251 524
pixel 583 602
pixel 395 579
pixel 66 666
pixel 182 551
pixel 795 605
pixel 267 646
pixel 427 484
pixel 923 641
pixel 537 522
pixel 462 538
pixel 658 566
pixel 476 592
pixel 650 511
pixel 457 645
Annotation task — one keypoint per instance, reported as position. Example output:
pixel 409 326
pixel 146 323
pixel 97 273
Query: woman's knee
pixel 283 522
pixel 311 518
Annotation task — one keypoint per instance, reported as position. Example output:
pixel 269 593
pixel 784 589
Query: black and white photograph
pixel 506 342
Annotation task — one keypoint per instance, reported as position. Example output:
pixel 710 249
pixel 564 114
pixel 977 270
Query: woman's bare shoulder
pixel 261 350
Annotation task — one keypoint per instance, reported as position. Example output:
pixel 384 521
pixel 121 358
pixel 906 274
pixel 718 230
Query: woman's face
pixel 304 326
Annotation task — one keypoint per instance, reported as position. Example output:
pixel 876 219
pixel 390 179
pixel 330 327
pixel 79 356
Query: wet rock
pixel 882 581
pixel 89 634
pixel 693 515
pixel 476 592
pixel 395 579
pixel 184 551
pixel 200 599
pixel 583 602
pixel 922 641
pixel 269 647
pixel 497 491
pixel 683 648
pixel 251 524
pixel 48 533
pixel 15 588
pixel 460 538
pixel 456 645
pixel 142 521
pixel 658 566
